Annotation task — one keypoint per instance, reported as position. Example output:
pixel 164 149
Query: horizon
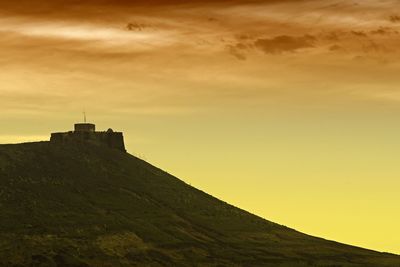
pixel 286 109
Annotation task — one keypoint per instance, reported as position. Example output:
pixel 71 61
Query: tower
pixel 85 127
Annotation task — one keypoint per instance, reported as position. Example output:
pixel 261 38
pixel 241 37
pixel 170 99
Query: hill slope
pixel 87 205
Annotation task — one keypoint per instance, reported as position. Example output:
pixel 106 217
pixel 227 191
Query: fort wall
pixel 109 138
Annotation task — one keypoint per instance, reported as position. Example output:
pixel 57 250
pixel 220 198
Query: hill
pixel 87 205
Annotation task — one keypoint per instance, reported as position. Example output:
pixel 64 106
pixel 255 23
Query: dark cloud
pixel 394 18
pixel 380 31
pixel 359 33
pixel 135 26
pixel 212 19
pixel 284 43
pixel 40 8
pixel 384 31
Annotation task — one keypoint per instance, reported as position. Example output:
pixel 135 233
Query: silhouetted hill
pixel 88 205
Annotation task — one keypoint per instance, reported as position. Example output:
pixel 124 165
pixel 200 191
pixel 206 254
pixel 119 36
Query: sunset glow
pixel 288 109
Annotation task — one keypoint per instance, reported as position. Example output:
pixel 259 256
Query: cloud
pixel 78 32
pixel 95 35
pixel 384 31
pixel 135 26
pixel 372 47
pixel 237 51
pixel 380 31
pixel 394 18
pixel 284 43
pixel 359 33
pixel 335 48
pixel 332 37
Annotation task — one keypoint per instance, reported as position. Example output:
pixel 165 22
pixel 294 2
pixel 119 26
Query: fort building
pixel 86 132
pixel 85 127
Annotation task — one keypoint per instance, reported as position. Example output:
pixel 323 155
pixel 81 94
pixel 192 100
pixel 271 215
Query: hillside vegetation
pixel 87 205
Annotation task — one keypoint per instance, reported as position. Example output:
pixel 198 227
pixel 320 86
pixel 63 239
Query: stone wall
pixel 111 139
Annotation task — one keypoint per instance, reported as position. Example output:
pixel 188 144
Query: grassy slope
pixel 86 205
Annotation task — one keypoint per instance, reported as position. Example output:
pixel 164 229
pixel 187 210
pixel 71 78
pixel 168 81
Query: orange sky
pixel 289 109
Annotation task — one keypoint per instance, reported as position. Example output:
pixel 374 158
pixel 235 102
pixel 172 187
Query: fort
pixel 86 132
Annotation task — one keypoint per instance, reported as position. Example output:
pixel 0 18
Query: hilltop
pixel 84 204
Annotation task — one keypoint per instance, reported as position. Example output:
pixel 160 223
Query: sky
pixel 288 109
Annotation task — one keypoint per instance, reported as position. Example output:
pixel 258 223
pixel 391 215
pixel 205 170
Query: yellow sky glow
pixel 288 109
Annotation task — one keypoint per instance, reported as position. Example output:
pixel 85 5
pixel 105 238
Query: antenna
pixel 84 116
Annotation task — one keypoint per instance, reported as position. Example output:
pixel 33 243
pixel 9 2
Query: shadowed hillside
pixel 88 205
